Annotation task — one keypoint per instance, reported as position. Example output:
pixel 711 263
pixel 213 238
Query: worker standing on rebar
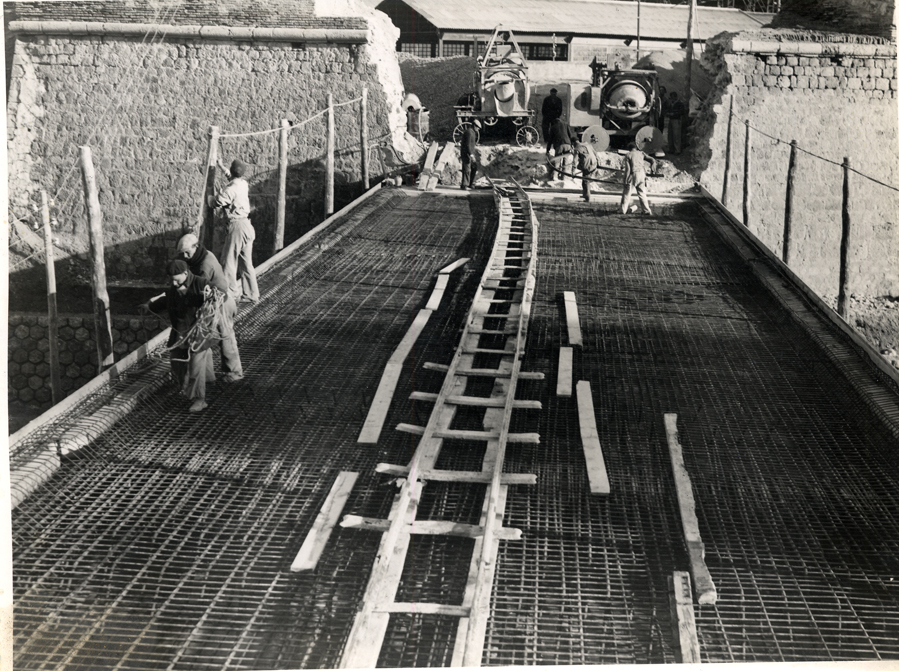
pixel 563 145
pixel 468 154
pixel 237 253
pixel 587 164
pixel 551 110
pixel 191 356
pixel 635 178
pixel 203 263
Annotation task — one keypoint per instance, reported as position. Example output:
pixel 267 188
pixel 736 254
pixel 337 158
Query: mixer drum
pixel 627 100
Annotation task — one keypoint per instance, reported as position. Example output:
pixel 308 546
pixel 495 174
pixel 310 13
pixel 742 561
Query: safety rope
pixel 209 325
pixel 293 125
pixel 582 177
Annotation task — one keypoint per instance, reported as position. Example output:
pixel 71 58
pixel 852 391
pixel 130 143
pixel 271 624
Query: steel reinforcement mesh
pixel 166 543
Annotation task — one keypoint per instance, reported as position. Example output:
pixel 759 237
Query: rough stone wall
pixel 145 107
pixel 28 352
pixel 836 99
pixel 868 17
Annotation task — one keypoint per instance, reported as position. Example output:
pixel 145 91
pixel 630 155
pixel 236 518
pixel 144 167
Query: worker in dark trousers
pixel 587 164
pixel 191 352
pixel 674 119
pixel 551 110
pixel 203 263
pixel 635 178
pixel 468 153
pixel 562 143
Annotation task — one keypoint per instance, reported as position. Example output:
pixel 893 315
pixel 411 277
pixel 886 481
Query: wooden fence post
pixel 329 164
pixel 788 208
pixel 204 220
pixel 53 329
pixel 282 186
pixel 843 299
pixel 727 149
pixel 747 172
pixel 102 326
pixel 363 130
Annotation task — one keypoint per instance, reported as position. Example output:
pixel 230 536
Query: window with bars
pixel 423 49
pixel 544 52
pixel 456 48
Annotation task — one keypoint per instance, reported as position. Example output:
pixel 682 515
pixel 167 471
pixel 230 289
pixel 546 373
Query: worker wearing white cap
pixel 203 263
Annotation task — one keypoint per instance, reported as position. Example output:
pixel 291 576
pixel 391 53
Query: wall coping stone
pixel 308 35
pixel 768 47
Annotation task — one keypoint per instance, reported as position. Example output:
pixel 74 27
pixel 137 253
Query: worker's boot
pixel 198 405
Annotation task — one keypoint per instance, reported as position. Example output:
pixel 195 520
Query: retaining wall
pixel 28 352
pixel 837 98
pixel 144 103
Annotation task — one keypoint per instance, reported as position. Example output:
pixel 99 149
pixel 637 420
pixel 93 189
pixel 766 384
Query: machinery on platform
pixel 503 91
pixel 620 103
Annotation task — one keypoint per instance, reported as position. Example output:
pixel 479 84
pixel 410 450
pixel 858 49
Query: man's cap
pixel 186 242
pixel 238 168
pixel 554 90
pixel 176 267
pixel 477 123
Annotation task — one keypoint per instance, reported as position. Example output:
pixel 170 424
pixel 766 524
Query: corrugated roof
pixel 584 17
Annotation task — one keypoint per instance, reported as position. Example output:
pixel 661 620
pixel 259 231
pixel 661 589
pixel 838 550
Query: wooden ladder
pixel 511 266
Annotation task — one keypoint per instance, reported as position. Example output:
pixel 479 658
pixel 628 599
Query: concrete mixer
pixel 620 106
pixel 503 92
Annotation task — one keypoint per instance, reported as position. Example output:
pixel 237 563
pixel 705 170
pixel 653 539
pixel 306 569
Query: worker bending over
pixel 562 143
pixel 635 178
pixel 190 347
pixel 587 164
pixel 237 253
pixel 203 263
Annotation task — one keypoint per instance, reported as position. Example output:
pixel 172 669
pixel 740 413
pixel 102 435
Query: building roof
pixel 235 13
pixel 584 17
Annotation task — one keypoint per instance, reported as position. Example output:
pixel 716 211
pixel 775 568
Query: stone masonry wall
pixel 868 17
pixel 28 352
pixel 836 99
pixel 144 107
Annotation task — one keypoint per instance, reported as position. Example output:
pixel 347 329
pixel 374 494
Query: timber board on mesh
pixel 167 543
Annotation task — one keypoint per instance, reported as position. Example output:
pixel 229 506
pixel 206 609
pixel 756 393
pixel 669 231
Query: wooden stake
pixel 329 161
pixel 204 220
pixel 788 208
pixel 282 186
pixel 727 150
pixel 842 301
pixel 102 326
pixel 53 330
pixel 363 131
pixel 747 171
pixel 691 20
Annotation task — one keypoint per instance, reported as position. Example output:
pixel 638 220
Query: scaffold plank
pixel 702 579
pixel 312 548
pixel 566 365
pixel 572 319
pixel 596 465
pixel 683 619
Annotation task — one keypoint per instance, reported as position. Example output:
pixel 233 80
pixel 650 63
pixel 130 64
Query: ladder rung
pixel 424 609
pixel 485 350
pixel 475 331
pixel 458 476
pixel 533 438
pixel 429 527
pixel 488 372
pixel 477 401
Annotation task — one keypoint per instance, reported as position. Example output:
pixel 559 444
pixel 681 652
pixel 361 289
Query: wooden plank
pixel 572 319
pixel 429 528
pixel 455 264
pixel 702 579
pixel 532 438
pixel 683 619
pixel 437 293
pixel 312 548
pixel 425 609
pixel 476 401
pixel 457 476
pixel 429 165
pixel 377 413
pixel 596 465
pixel 566 365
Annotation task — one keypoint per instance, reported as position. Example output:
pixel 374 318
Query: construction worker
pixel 237 252
pixel 191 358
pixel 203 263
pixel 562 144
pixel 587 164
pixel 551 110
pixel 674 119
pixel 635 178
pixel 468 153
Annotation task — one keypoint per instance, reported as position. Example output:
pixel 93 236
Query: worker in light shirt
pixel 237 251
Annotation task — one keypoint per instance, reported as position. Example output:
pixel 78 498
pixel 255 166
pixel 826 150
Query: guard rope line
pixel 293 125
pixel 778 140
